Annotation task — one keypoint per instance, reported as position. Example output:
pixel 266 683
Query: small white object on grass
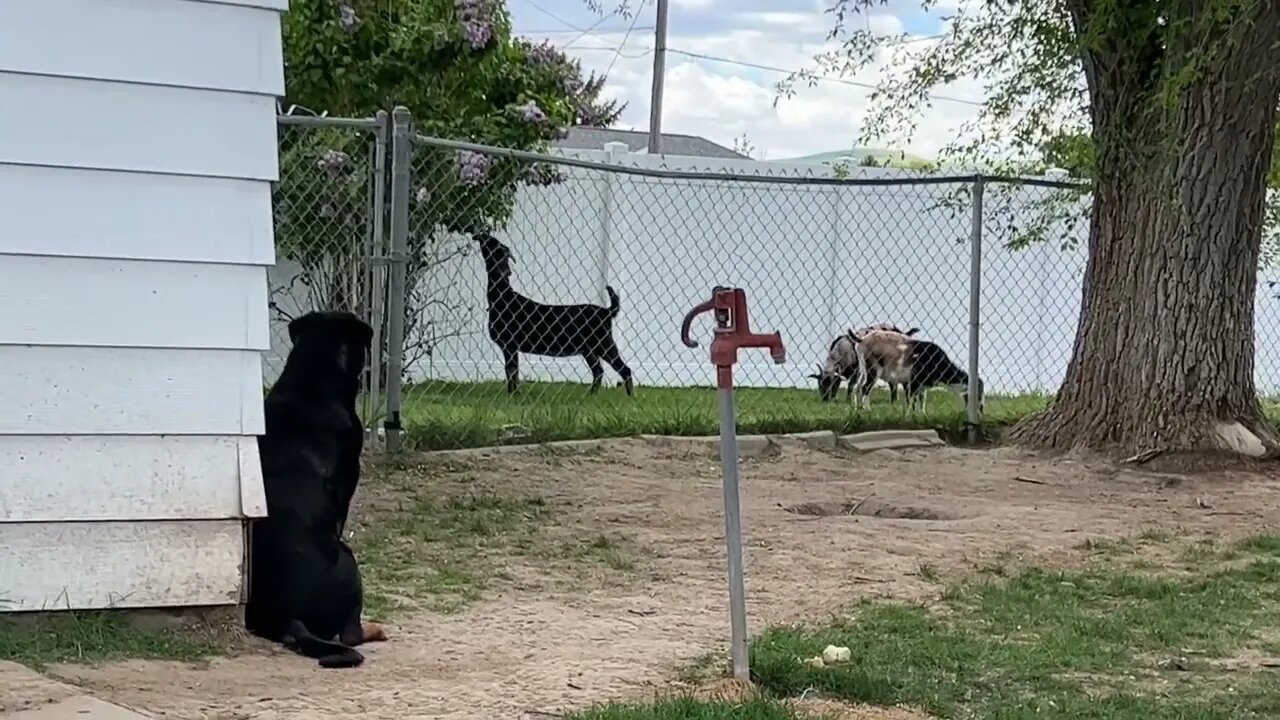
pixel 835 654
pixel 815 662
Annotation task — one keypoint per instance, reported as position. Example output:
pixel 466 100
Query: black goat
pixel 518 324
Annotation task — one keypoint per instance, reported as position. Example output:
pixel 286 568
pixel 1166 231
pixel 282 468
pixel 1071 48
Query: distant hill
pixel 856 156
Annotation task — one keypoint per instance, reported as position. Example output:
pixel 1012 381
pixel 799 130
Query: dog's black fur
pixel 518 324
pixel 305 586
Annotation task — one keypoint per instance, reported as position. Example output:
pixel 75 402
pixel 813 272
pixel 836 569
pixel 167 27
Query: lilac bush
pixel 333 162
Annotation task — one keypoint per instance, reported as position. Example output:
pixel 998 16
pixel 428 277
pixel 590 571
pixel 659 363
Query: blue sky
pixel 724 101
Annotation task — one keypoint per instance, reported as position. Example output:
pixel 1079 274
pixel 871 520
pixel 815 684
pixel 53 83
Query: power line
pixel 771 68
pixel 634 17
pixel 562 31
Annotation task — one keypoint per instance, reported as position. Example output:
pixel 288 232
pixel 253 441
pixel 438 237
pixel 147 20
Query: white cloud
pixel 722 101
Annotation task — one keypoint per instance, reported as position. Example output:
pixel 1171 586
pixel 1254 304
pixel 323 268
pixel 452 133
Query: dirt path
pixel 550 645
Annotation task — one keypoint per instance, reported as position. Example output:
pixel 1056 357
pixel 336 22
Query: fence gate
pixel 330 219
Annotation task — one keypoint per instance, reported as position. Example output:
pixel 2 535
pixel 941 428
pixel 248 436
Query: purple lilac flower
pixel 571 83
pixel 347 18
pixel 543 55
pixel 531 112
pixel 422 196
pixel 478 33
pixel 333 161
pixel 473 168
pixel 476 25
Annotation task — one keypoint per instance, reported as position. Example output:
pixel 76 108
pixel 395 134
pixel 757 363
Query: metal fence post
pixel 378 268
pixel 973 408
pixel 401 157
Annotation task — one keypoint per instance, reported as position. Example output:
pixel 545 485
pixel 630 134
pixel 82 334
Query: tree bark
pixel 1164 350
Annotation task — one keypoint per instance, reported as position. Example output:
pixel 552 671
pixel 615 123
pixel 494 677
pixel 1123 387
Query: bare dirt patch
pixel 545 639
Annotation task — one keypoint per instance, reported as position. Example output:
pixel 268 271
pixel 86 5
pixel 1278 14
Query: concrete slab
pixel 748 445
pixel 818 439
pixel 891 439
pixel 77 707
pixel 564 445
pixel 28 695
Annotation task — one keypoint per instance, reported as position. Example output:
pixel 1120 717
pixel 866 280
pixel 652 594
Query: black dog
pixel 305 584
pixel 518 324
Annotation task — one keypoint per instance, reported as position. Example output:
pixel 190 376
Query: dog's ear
pixel 815 376
pixel 361 333
pixel 911 332
pixel 303 325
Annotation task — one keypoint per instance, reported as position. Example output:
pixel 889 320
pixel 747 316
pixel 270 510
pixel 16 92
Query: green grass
pixel 440 415
pixel 1093 644
pixel 69 636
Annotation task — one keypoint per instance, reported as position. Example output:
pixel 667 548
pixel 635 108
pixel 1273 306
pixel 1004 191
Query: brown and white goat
pixel 841 364
pixel 917 364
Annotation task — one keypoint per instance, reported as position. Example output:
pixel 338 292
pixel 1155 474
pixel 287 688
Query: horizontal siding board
pixel 130 391
pixel 135 215
pixel 253 492
pixel 119 126
pixel 132 303
pixel 52 478
pixel 88 566
pixel 199 45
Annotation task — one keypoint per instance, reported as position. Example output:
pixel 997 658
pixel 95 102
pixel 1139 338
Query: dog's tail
pixel 330 654
pixel 615 304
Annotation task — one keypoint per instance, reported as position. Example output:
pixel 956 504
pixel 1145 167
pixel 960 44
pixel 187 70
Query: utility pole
pixel 659 71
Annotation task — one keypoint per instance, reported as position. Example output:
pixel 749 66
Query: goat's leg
pixel 511 363
pixel 868 384
pixel 611 355
pixel 597 372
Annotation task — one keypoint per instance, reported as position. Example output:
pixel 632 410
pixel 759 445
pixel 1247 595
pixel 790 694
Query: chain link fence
pixel 329 209
pixel 524 290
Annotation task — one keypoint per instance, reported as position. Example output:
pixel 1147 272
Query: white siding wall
pixel 137 151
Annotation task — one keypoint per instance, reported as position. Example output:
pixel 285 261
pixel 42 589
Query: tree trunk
pixel 1164 350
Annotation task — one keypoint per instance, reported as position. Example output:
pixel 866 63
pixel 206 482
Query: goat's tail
pixel 615 304
pixel 330 654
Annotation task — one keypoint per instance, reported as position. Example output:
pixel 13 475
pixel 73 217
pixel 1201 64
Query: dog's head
pixel 496 256
pixel 341 333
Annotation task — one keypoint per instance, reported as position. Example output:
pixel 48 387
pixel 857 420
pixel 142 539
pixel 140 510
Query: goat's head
pixel 828 383
pixel 496 256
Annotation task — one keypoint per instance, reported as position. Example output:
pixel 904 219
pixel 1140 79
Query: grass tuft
pixel 96 636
